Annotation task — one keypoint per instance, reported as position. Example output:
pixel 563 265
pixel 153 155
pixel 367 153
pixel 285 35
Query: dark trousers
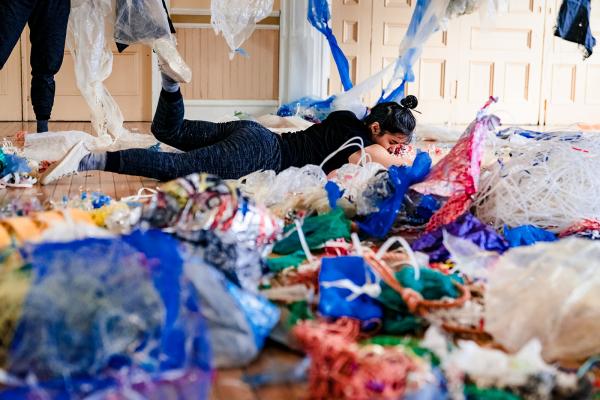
pixel 230 150
pixel 47 21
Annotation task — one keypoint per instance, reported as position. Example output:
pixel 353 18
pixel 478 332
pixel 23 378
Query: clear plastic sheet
pixel 549 291
pixel 89 39
pixel 140 21
pixel 237 19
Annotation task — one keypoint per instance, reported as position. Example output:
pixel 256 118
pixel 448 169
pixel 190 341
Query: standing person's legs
pixel 48 31
pixel 250 148
pixel 170 128
pixel 13 17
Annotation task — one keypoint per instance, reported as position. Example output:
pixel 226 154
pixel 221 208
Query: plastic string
pixel 303 242
pixel 140 195
pixel 350 143
pixel 411 254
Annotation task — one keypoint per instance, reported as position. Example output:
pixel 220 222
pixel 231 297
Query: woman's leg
pixel 170 128
pixel 251 148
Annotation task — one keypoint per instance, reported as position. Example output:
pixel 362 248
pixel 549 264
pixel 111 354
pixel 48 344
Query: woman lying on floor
pixel 233 150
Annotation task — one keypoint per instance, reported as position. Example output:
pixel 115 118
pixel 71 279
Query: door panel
pixel 11 106
pixel 503 60
pixel 570 91
pixel 352 26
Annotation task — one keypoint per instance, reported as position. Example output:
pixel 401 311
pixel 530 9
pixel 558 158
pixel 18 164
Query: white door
pixel 571 90
pixel 434 71
pixel 503 60
pixel 11 106
pixel 352 26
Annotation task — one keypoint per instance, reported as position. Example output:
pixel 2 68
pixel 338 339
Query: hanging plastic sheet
pixel 379 224
pixel 90 37
pixel 127 311
pixel 237 19
pixel 319 16
pixel 348 288
pixel 140 21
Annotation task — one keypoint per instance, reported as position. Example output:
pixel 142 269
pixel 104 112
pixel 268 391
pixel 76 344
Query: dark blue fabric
pixel 526 235
pixel 229 150
pixel 319 17
pixel 47 20
pixel 574 24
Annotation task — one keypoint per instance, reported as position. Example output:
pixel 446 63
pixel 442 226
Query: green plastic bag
pixel 318 230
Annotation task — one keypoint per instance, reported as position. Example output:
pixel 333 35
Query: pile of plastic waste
pixel 386 278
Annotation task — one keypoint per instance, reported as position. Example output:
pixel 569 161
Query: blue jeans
pixel 574 24
pixel 230 150
pixel 47 21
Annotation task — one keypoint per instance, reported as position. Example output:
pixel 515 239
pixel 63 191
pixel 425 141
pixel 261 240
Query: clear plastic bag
pixel 549 291
pixel 140 21
pixel 236 19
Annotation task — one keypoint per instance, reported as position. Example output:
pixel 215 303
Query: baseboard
pixel 215 110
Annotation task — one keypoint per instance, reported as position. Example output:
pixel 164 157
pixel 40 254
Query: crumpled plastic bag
pixel 236 19
pixel 467 227
pixel 549 291
pixel 526 235
pixel 140 21
pixel 238 321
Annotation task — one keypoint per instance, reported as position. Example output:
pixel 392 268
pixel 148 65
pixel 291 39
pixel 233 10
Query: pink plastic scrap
pixel 582 226
pixel 456 176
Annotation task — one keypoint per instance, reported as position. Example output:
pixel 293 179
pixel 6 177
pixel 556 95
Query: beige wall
pixel 205 4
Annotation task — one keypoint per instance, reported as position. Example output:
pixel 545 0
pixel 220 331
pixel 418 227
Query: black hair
pixel 393 117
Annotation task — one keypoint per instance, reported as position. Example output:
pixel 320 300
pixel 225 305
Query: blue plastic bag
pixel 343 286
pixel 526 235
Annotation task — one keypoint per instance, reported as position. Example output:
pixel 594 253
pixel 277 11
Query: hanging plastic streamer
pixel 426 20
pixel 237 19
pixel 456 176
pixel 549 181
pixel 140 21
pixel 319 16
pixel 548 291
pixel 90 37
pixel 379 224
pixel 125 324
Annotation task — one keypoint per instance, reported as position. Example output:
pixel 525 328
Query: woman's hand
pixel 381 156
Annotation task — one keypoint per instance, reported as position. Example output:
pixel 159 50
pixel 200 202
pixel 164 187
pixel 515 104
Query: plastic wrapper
pixel 238 321
pixel 127 318
pixel 364 186
pixel 140 21
pixel 456 176
pixel 348 288
pixel 467 227
pixel 547 291
pixel 237 19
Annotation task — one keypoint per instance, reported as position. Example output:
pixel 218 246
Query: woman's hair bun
pixel 410 101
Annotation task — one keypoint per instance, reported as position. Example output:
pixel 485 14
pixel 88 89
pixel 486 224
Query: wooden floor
pixel 228 384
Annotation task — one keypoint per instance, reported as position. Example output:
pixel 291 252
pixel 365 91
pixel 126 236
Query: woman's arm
pixel 381 156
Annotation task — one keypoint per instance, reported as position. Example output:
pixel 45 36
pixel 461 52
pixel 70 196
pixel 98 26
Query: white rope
pixel 411 255
pixel 350 143
pixel 140 195
pixel 303 242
